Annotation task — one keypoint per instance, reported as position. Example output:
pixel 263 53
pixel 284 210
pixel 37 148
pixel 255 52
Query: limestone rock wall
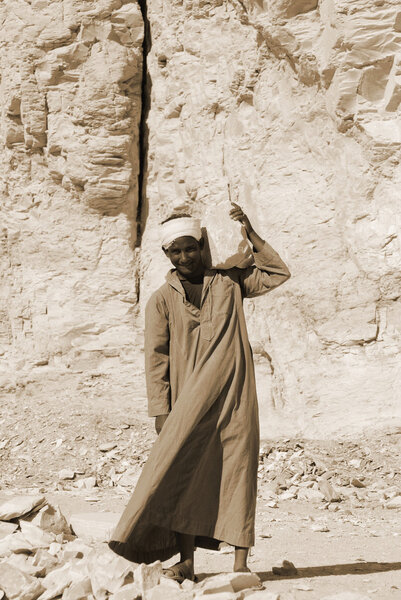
pixel 293 105
pixel 70 100
pixel 296 105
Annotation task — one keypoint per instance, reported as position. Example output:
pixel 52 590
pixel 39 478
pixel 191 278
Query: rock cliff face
pixel 294 105
pixel 70 97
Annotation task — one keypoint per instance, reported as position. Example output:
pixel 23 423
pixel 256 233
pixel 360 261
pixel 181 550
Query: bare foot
pixel 241 569
pixel 180 571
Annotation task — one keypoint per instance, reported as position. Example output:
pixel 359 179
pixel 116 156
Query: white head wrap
pixel 180 227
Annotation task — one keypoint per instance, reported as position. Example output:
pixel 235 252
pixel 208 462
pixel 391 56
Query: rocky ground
pixel 331 508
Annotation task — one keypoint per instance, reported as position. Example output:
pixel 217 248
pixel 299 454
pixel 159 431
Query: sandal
pixel 179 572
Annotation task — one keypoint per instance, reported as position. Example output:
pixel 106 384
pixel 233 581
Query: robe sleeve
pixel 268 272
pixel 157 356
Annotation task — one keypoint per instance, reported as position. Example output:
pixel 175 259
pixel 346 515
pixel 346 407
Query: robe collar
pixel 173 279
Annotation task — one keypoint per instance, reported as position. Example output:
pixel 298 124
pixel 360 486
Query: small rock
pixel 394 502
pixel 170 583
pixel 242 581
pixel 36 536
pixel 55 548
pixel 75 549
pixel 17 506
pixel 128 592
pixel 188 585
pixel 14 543
pixel 130 478
pixel 287 568
pixel 65 474
pixel 86 483
pixel 96 526
pixel 328 491
pixel 268 493
pixel 18 585
pixel 320 527
pixel 287 495
pixel 44 561
pixel 78 591
pixel 222 596
pixel 26 564
pixel 347 596
pixel 263 595
pixel 165 591
pixel 51 519
pixel 147 576
pixel 107 447
pixel 310 494
pixel 7 528
pixel 108 572
pixel 60 579
pixel 217 584
pixel 304 587
pixel 357 483
pixel 225 548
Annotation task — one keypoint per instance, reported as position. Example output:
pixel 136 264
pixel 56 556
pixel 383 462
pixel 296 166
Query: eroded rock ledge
pixel 295 104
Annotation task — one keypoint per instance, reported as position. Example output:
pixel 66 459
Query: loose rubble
pixel 46 555
pixel 292 470
pixel 42 558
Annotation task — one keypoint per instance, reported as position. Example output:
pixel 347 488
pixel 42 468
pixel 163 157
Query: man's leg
pixel 186 544
pixel 240 561
pixel 185 568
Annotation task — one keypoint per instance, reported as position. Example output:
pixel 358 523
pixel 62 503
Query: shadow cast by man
pixel 360 568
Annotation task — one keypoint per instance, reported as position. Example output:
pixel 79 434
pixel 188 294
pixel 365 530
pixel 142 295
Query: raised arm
pixel 269 270
pixel 157 361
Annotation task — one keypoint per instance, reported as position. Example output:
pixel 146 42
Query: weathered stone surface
pixel 26 564
pixel 147 576
pixel 51 519
pixel 75 549
pixel 164 590
pixel 7 529
pixel 14 542
pixel 347 596
pixel 36 536
pixel 44 560
pixel 70 89
pixel 18 506
pixel 78 591
pixel 128 592
pixel 263 595
pixel 291 108
pixel 94 526
pixel 108 572
pixel 18 585
pixel 61 578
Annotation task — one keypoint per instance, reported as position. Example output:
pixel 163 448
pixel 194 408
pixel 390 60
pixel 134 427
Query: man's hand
pixel 159 422
pixel 237 214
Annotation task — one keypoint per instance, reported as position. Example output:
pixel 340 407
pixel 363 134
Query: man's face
pixel 185 254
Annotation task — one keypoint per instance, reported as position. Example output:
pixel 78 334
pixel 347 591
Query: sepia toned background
pixel 295 104
pixel 113 114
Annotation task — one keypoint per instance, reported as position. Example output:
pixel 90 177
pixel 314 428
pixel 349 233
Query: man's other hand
pixel 159 422
pixel 237 214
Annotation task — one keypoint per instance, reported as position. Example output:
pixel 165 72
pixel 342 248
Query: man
pixel 198 487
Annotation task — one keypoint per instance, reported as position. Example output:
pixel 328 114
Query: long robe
pixel 201 475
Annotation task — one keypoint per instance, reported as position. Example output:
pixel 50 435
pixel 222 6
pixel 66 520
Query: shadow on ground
pixel 361 568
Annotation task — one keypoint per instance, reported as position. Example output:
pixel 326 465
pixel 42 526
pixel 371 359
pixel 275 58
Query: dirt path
pixel 324 505
pixel 359 552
